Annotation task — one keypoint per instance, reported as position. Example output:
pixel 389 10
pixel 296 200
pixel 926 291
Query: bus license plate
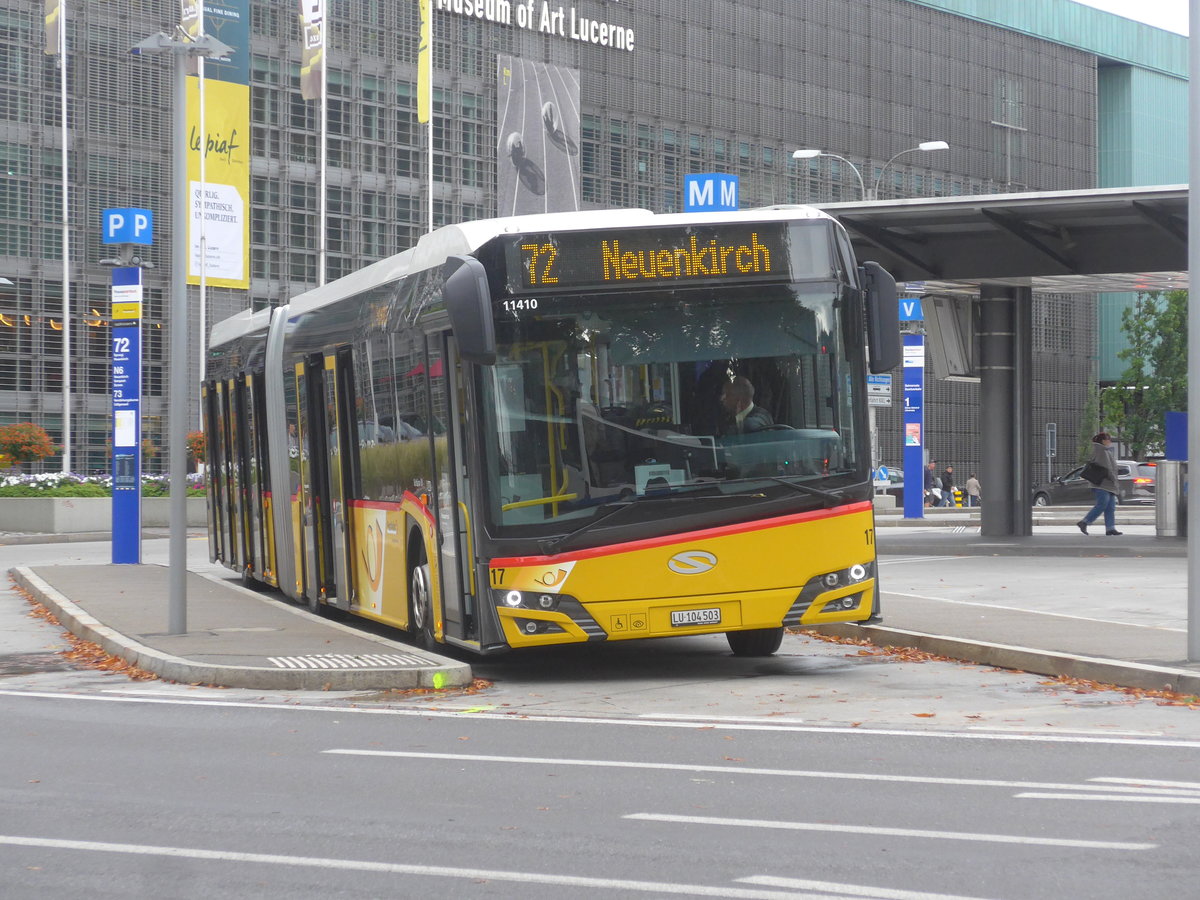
pixel 695 617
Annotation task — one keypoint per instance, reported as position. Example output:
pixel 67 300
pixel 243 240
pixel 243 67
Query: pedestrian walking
pixel 1105 489
pixel 947 487
pixel 973 493
pixel 931 498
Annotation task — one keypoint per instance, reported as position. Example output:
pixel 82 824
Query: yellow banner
pixel 54 13
pixel 222 204
pixel 312 48
pixel 191 21
pixel 425 64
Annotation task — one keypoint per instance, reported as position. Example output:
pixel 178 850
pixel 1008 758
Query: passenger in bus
pixel 741 415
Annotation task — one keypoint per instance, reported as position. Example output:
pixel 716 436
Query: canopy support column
pixel 1006 409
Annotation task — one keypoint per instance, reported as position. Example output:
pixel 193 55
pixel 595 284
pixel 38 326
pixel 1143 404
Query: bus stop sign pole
pixel 127 415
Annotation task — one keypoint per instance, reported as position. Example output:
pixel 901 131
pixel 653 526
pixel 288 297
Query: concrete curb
pixel 69 537
pixel 441 673
pixel 1026 659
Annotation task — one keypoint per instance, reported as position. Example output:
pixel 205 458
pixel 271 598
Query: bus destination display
pixel 666 257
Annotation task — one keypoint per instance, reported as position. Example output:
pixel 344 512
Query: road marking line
pixel 1027 609
pixel 891 832
pixel 1151 782
pixel 687 717
pixel 740 770
pixel 857 890
pixel 579 881
pixel 522 715
pixel 887 561
pixel 1123 797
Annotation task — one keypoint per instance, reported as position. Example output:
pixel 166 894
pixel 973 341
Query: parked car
pixel 1135 484
pixel 894 485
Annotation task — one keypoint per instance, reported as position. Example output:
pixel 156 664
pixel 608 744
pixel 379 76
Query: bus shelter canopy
pixel 1104 240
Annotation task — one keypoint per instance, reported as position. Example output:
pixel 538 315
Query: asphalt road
pixel 659 768
pixel 123 796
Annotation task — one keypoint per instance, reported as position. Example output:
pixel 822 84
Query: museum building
pixel 1043 96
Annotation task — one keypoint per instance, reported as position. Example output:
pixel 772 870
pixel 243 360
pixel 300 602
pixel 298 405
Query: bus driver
pixel 741 416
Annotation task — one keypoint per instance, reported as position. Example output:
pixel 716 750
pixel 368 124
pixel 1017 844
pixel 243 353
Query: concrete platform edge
pixel 443 673
pixel 1026 659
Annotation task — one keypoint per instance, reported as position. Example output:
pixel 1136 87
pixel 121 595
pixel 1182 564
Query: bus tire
pixel 755 642
pixel 420 599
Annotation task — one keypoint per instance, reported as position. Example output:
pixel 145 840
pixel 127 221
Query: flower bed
pixel 59 484
pixel 54 503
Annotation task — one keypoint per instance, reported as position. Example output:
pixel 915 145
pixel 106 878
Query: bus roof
pixel 248 321
pixel 434 248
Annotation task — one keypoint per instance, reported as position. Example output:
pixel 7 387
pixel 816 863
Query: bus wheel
pixel 420 598
pixel 755 642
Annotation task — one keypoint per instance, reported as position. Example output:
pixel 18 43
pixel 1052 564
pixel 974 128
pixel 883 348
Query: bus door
pixel 455 552
pixel 342 469
pixel 223 461
pixel 255 482
pixel 312 492
pixel 208 395
pixel 238 487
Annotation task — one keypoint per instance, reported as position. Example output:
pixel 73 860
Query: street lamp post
pixel 873 193
pixel 180 47
pixel 911 471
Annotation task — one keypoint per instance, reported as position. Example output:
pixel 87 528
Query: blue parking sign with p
pixel 127 226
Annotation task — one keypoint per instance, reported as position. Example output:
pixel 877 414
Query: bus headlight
pixel 527 600
pixel 858 572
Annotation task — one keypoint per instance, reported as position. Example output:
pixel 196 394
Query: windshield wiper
pixel 829 497
pixel 556 544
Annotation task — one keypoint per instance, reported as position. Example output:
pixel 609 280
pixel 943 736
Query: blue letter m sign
pixel 710 192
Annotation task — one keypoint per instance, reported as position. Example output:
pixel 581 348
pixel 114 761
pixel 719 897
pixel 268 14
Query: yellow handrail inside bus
pixel 538 501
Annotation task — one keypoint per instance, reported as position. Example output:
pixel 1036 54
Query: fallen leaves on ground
pixel 1165 697
pixel 92 656
pixel 85 653
pixel 866 648
pixel 476 686
pixel 1078 685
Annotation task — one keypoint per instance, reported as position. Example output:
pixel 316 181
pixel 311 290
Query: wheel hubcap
pixel 420 593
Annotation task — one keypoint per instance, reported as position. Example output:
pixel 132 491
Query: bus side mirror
pixel 469 303
pixel 883 317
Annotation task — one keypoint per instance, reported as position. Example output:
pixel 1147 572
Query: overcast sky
pixel 1169 14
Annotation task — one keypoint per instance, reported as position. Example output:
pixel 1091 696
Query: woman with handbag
pixel 1101 471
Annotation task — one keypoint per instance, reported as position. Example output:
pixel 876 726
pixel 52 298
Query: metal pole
pixel 203 208
pixel 323 154
pixel 177 423
pixel 66 243
pixel 1193 427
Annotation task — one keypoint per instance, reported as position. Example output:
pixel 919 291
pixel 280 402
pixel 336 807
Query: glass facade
pixel 710 86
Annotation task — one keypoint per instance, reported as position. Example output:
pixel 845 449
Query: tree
pixel 197 443
pixel 1155 378
pixel 25 442
pixel 1089 422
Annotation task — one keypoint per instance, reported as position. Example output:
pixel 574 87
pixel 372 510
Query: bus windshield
pixel 604 398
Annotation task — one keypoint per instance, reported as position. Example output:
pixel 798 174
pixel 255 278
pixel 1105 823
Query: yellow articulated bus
pixel 586 426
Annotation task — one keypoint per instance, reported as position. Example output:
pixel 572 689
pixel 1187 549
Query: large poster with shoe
pixel 537 129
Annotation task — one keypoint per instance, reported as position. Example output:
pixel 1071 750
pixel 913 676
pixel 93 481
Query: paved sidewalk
pixel 235 637
pixel 1007 629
